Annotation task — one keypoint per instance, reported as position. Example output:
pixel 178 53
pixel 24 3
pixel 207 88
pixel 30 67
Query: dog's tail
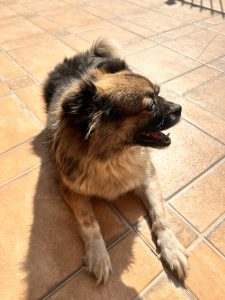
pixel 107 48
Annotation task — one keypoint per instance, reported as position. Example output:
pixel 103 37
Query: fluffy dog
pixel 102 117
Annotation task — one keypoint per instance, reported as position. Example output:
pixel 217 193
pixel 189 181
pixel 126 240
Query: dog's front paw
pixel 173 253
pixel 98 261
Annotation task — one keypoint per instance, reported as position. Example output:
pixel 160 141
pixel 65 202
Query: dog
pixel 102 119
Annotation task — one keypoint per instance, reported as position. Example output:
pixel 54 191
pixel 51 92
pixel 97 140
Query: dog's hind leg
pixel 96 256
pixel 172 252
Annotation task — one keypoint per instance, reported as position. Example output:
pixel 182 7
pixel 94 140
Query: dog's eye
pixel 151 95
pixel 150 107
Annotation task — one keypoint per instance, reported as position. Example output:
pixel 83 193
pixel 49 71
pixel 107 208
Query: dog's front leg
pixel 96 256
pixel 172 252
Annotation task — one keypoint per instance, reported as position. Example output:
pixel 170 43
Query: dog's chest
pixel 109 179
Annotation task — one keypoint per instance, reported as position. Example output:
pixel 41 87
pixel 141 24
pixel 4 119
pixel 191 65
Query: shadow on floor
pixel 201 5
pixel 55 249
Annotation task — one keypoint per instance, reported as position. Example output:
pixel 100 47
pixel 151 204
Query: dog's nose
pixel 177 110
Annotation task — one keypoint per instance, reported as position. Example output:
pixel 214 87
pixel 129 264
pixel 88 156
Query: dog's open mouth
pixel 154 139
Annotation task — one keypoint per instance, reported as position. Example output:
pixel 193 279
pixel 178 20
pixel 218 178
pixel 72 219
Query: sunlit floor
pixel 181 47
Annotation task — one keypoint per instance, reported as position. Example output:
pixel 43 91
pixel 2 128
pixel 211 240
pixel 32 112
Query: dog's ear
pixel 78 102
pixel 113 65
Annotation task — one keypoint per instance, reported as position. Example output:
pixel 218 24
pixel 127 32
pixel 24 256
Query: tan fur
pixel 112 177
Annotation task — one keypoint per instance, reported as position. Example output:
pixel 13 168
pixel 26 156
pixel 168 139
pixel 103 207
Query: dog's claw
pixel 98 262
pixel 174 254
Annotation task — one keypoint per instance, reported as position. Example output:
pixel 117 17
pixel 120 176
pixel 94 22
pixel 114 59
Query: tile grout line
pixel 205 132
pixel 214 248
pixel 30 112
pixel 203 108
pixel 79 270
pixel 201 236
pixel 181 189
pixel 157 255
pixel 182 94
pixel 150 286
pixel 8 181
pixel 17 146
pixel 53 291
pixel 17 63
pixel 159 278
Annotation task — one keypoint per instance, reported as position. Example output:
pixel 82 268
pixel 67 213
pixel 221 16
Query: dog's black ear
pixel 113 65
pixel 79 101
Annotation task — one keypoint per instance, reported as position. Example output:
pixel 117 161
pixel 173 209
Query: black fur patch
pixel 113 65
pixel 78 103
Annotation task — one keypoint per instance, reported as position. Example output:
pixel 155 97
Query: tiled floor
pixel 182 47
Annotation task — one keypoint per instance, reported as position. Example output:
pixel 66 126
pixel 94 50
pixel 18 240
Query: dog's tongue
pixel 160 136
pixel 157 135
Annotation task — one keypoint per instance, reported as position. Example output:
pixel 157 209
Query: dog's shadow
pixel 55 249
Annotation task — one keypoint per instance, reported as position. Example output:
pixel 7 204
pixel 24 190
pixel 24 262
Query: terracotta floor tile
pixel 192 79
pixel 218 28
pixel 118 8
pixel 35 39
pixel 4 87
pixel 18 30
pixel 198 203
pixel 6 12
pixel 9 68
pixel 21 82
pixel 210 96
pixel 165 289
pixel 131 208
pixel 39 5
pixel 99 13
pixel 44 246
pixel 206 277
pixel 20 9
pixel 157 22
pixel 189 154
pixel 76 20
pixel 184 30
pixel 217 237
pixel 11 20
pixel 215 20
pixel 133 268
pixel 168 94
pixel 75 42
pixel 191 52
pixel 117 33
pixel 111 225
pixel 144 3
pixel 42 75
pixel 39 261
pixel 35 102
pixel 218 64
pixel 158 63
pixel 19 127
pixel 160 38
pixel 135 47
pixel 203 119
pixel 45 23
pixel 182 231
pixel 142 31
pixel 205 40
pixel 12 166
pixel 49 54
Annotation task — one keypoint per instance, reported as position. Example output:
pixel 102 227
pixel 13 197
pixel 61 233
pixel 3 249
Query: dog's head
pixel 114 107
